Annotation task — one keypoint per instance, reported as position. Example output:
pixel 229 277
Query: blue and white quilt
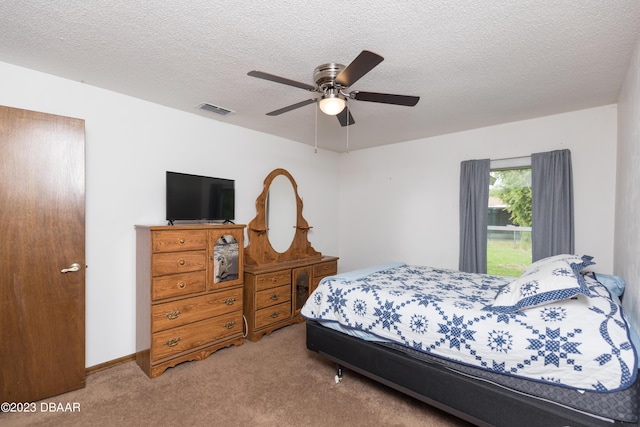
pixel 580 343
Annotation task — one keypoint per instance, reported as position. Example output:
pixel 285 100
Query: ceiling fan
pixel 332 81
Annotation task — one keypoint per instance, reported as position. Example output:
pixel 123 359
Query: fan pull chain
pixel 315 145
pixel 347 107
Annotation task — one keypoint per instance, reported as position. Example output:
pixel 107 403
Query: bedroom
pixel 418 181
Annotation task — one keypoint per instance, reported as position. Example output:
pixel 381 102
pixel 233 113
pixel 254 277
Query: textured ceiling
pixel 473 63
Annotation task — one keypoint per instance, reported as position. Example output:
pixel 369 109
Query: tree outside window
pixel 509 222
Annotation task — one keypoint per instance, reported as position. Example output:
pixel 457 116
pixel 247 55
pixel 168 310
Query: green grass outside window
pixel 506 258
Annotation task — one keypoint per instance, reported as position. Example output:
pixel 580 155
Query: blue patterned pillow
pixel 551 279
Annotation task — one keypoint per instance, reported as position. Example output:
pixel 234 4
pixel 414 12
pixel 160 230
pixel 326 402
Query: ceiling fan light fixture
pixel 332 104
pixel 332 83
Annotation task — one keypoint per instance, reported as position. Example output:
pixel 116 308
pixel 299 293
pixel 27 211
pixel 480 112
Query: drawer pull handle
pixel 230 301
pixel 172 342
pixel 181 241
pixel 275 279
pixel 275 297
pixel 172 315
pixel 181 285
pixel 275 314
pixel 230 325
pixel 181 262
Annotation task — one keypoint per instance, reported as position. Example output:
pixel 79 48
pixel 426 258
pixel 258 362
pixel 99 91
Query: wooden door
pixel 42 313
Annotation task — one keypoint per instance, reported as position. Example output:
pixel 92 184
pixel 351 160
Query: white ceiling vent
pixel 215 109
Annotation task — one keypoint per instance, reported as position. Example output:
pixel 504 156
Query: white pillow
pixel 550 279
pixel 563 257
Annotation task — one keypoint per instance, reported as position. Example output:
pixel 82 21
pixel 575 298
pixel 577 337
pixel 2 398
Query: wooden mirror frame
pixel 259 250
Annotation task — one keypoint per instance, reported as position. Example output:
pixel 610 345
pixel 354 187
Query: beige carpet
pixel 273 382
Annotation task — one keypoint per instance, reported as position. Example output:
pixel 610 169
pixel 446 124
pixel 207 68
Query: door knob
pixel 73 267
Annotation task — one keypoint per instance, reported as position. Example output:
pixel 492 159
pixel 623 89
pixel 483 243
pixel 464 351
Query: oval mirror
pixel 281 213
pixel 278 232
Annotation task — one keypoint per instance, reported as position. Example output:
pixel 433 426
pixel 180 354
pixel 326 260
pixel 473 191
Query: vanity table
pixel 281 267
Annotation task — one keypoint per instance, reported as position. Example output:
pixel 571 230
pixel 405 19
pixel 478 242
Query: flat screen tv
pixel 199 198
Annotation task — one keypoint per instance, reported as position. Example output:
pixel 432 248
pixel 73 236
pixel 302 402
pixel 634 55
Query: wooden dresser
pixel 275 293
pixel 189 293
pixel 277 282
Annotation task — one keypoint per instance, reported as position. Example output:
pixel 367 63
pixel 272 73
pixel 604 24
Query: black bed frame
pixel 473 400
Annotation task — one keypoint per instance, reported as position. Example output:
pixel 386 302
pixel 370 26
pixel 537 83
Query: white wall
pixel 130 144
pixel 627 231
pixel 400 202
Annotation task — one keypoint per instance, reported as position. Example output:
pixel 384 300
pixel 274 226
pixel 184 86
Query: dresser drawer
pixel 177 313
pixel 176 285
pixel 271 280
pixel 187 337
pixel 269 297
pixel 178 240
pixel 325 269
pixel 178 262
pixel 270 315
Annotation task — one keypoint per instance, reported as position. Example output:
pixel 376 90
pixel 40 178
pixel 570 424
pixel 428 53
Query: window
pixel 509 219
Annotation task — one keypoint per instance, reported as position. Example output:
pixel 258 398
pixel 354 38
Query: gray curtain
pixel 552 198
pixel 474 201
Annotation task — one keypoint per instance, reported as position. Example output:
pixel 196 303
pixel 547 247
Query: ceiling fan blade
pixel 385 98
pixel 291 107
pixel 278 79
pixel 342 117
pixel 360 66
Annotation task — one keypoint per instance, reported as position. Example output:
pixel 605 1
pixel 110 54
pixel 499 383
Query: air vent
pixel 215 109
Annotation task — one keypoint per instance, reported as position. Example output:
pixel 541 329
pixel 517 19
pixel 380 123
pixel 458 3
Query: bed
pixel 551 347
